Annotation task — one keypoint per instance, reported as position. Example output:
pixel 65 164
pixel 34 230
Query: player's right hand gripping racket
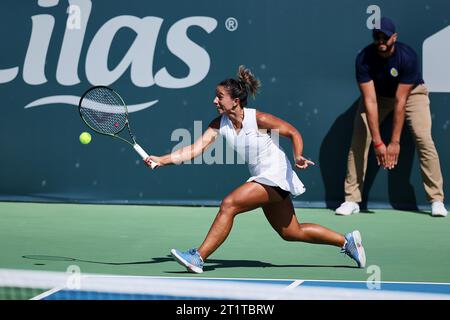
pixel 105 112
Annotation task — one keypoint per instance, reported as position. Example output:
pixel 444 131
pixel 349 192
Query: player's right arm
pixel 189 152
pixel 370 102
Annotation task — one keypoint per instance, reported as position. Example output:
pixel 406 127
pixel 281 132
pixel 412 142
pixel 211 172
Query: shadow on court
pixel 210 265
pixel 333 164
pixel 59 258
pixel 213 264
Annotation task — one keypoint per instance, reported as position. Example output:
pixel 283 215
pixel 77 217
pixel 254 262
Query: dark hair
pixel 239 88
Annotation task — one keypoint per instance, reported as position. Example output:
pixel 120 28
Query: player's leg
pixel 248 196
pixel 418 118
pixel 281 216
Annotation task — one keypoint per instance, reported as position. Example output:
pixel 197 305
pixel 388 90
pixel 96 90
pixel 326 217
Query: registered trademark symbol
pixel 231 24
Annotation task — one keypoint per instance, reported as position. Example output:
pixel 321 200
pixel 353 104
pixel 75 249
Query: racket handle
pixel 144 155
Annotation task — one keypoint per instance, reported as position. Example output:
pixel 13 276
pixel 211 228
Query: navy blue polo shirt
pixel 386 73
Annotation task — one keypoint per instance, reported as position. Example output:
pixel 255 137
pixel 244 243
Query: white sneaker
pixel 438 209
pixel 347 208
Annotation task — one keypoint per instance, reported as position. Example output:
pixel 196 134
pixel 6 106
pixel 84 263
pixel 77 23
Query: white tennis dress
pixel 267 162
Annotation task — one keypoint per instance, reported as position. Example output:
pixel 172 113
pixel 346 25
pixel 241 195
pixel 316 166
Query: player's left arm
pixel 285 129
pixel 189 152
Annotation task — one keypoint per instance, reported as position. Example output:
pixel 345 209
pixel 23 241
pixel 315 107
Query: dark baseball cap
pixel 387 26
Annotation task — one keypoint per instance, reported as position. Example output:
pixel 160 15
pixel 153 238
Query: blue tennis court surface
pixel 434 288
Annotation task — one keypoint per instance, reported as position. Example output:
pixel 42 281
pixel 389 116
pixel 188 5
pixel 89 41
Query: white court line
pixel 46 294
pixel 381 282
pixel 294 284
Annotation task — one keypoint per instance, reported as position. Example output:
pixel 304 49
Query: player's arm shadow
pixel 333 164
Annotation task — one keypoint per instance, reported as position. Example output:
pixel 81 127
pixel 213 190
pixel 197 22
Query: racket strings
pixel 104 111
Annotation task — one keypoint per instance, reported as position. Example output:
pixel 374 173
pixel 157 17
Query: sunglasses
pixel 380 36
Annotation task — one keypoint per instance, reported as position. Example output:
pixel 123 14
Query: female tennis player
pixel 272 180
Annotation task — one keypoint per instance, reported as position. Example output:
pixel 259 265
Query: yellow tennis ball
pixel 85 137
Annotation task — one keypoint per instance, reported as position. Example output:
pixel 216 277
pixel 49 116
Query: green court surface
pixel 136 240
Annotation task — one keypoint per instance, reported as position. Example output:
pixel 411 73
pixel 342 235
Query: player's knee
pixel 288 235
pixel 228 206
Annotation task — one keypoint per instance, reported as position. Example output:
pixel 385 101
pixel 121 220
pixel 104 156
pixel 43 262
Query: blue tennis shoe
pixel 191 259
pixel 354 249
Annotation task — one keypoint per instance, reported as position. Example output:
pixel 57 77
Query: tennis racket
pixel 104 111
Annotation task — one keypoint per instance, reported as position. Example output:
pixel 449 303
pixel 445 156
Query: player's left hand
pixel 303 163
pixel 392 152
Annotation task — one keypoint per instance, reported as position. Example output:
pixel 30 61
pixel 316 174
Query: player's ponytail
pixel 239 88
pixel 246 77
